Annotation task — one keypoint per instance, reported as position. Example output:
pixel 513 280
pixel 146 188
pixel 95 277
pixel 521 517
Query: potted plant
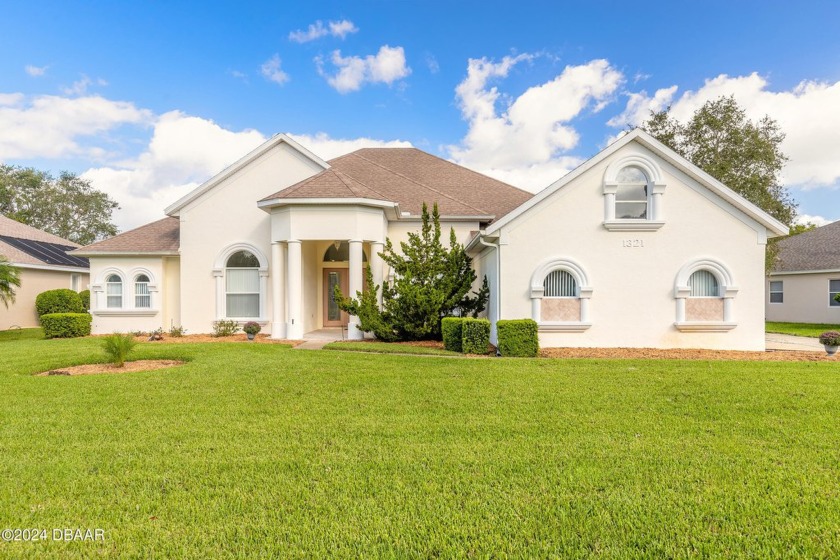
pixel 831 340
pixel 251 328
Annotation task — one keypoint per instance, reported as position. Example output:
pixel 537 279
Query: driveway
pixel 776 341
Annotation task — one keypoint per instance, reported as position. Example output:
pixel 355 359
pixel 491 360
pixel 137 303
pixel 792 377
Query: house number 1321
pixel 632 243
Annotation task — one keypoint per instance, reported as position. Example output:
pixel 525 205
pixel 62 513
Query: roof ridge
pixel 365 185
pixel 424 185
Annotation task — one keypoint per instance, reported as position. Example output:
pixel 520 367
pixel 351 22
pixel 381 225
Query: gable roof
pixel 275 140
pixel 775 227
pixel 26 245
pixel 157 238
pixel 408 177
pixel 817 249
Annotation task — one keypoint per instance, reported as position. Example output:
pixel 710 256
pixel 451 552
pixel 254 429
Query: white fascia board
pixel 775 227
pixel 94 254
pixel 791 272
pixel 449 218
pixel 275 140
pixel 55 268
pixel 392 209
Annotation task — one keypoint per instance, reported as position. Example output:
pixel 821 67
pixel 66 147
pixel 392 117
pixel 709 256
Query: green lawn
pixel 389 348
pixel 255 450
pixel 812 330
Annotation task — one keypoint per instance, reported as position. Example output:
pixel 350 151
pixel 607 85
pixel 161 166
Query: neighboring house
pixel 44 265
pixel 806 278
pixel 637 247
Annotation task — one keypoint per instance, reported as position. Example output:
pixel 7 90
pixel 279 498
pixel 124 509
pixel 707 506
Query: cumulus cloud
pixel 806 113
pixel 49 126
pixel 35 71
pixel 327 148
pixel 81 85
pixel 386 67
pixel 317 30
pixel 818 221
pixel 524 141
pixel 272 72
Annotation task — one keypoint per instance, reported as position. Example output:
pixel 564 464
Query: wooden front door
pixel 333 316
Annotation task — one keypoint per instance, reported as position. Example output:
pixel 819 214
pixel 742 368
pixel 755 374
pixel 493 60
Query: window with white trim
pixel 559 283
pixel 75 282
pixel 705 293
pixel 833 291
pixel 631 194
pixel 114 291
pixel 242 285
pixel 777 291
pixel 703 284
pixel 142 295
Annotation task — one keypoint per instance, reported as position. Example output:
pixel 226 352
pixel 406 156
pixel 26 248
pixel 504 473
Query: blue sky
pixel 149 99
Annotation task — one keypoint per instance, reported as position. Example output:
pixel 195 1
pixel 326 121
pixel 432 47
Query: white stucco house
pixel 806 278
pixel 635 248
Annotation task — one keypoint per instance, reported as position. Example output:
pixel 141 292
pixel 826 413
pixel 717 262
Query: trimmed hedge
pixel 518 338
pixel 475 335
pixel 452 329
pixel 63 300
pixel 84 295
pixel 66 325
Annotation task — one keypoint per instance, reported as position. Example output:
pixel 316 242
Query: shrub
pixel 177 332
pixel 518 338
pixel 117 347
pixel 251 327
pixel 225 328
pixel 66 325
pixel 156 334
pixel 452 330
pixel 84 295
pixel 475 335
pixel 58 301
pixel 830 338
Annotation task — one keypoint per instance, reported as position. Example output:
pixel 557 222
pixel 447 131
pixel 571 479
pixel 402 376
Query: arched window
pixel 559 283
pixel 242 285
pixel 114 291
pixel 631 194
pixel 142 295
pixel 703 284
pixel 340 252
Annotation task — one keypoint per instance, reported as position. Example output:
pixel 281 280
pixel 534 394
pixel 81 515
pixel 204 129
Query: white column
pixel 221 304
pixel 356 283
pixel 727 310
pixel 377 268
pixel 278 290
pixel 294 291
pixel 680 310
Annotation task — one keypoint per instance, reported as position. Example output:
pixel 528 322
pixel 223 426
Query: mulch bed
pixel 241 337
pixel 89 369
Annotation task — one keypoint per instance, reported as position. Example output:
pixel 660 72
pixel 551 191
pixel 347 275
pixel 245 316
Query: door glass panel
pixel 333 312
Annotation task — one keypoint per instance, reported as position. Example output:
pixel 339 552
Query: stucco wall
pixel 633 273
pixel 805 299
pixel 128 318
pixel 33 282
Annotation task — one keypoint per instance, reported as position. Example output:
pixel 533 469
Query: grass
pixel 811 330
pixel 389 348
pixel 22 334
pixel 255 450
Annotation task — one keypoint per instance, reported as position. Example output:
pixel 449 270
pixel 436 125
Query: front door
pixel 333 316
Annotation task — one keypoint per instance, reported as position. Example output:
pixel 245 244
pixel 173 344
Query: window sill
pixel 705 326
pixel 633 225
pixel 572 326
pixel 125 312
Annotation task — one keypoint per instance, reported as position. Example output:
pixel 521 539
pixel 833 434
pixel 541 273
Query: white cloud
pixel 386 67
pixel 432 64
pixel 48 126
pixel 524 142
pixel 818 221
pixel 327 148
pixel 807 114
pixel 81 85
pixel 271 70
pixel 36 71
pixel 317 30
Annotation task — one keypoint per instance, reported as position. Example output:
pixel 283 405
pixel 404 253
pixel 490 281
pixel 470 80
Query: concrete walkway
pixel 776 341
pixel 315 340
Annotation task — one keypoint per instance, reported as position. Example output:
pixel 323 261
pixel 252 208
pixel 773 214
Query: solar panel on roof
pixel 49 253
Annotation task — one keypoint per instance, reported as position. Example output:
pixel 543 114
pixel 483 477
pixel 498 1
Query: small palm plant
pixel 9 280
pixel 117 347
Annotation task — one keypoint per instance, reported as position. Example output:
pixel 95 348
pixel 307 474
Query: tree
pixel 430 282
pixel 68 206
pixel 9 280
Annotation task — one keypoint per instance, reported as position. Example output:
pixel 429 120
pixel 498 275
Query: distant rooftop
pixel 26 245
pixel 817 249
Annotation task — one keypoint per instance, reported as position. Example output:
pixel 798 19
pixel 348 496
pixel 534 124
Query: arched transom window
pixel 559 283
pixel 142 295
pixel 631 195
pixel 114 291
pixel 703 283
pixel 242 285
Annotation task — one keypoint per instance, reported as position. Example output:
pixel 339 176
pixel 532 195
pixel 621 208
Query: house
pixel 44 265
pixel 637 247
pixel 806 278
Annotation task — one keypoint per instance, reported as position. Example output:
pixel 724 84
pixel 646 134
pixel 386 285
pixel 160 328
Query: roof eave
pixel 392 209
pixel 89 254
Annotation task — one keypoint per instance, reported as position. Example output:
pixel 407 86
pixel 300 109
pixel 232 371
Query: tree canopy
pixel 743 155
pixel 67 206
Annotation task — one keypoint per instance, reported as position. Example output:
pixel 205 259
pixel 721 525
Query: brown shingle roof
pixel 13 228
pixel 162 236
pixel 409 177
pixel 818 249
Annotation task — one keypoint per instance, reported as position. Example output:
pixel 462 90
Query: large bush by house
pixel 475 335
pixel 452 331
pixel 517 338
pixel 66 325
pixel 84 295
pixel 58 301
